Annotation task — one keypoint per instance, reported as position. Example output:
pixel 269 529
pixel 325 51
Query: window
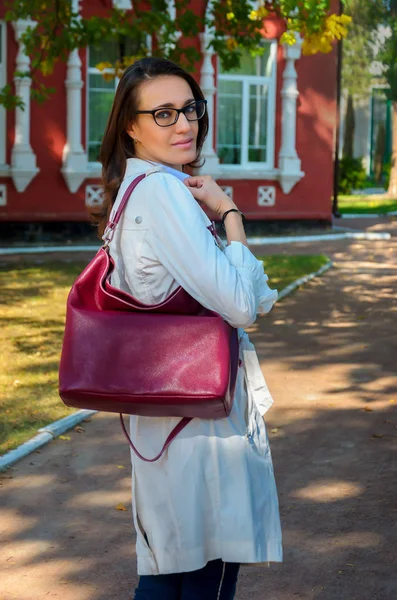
pixel 380 132
pixel 246 111
pixel 3 72
pixel 101 92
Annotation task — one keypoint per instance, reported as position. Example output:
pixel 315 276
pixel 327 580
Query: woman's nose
pixel 182 123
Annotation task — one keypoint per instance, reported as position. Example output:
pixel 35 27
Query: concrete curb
pixel 253 241
pixel 360 235
pixel 45 249
pixel 45 435
pixel 368 215
pixel 53 430
pixel 298 282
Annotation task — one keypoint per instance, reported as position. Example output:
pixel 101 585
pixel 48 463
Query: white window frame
pixel 247 80
pixel 95 166
pixel 3 81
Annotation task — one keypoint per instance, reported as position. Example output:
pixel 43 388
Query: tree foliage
pixel 358 49
pixel 236 25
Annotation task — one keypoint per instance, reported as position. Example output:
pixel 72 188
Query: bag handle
pixel 111 226
pixel 177 429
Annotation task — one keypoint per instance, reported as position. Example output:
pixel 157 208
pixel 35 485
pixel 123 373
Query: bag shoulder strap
pixel 177 429
pixel 111 226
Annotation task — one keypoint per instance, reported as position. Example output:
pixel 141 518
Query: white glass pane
pixel 253 65
pixel 99 104
pixel 230 96
pixel 258 107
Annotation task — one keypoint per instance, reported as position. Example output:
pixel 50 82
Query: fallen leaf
pixel 66 438
pixel 16 382
pixel 275 430
pixel 368 409
pixel 377 435
pixel 350 564
pixel 121 467
pixel 79 429
pixel 87 420
pixel 341 572
pixel 120 506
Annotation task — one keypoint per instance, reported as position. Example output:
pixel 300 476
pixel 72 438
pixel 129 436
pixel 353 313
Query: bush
pixel 352 175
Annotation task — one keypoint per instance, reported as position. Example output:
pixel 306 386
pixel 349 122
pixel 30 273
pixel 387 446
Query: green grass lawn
pixel 366 205
pixel 32 312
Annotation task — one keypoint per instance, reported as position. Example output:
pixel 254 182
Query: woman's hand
pixel 208 192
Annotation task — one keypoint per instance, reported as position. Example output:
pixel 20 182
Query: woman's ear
pixel 132 132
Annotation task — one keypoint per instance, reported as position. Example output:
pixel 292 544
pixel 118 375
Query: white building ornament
pixel 207 84
pixel 3 194
pixel 266 195
pixel 288 160
pixel 23 159
pixel 93 195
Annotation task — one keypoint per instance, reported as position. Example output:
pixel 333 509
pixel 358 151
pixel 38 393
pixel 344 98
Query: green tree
pixel 358 54
pixel 385 13
pixel 57 30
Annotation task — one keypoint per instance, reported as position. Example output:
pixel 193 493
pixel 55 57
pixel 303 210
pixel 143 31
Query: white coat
pixel 212 494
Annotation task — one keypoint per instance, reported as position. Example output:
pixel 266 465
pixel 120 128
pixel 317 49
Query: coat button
pixel 138 220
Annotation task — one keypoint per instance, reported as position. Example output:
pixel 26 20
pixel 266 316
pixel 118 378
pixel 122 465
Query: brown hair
pixel 117 145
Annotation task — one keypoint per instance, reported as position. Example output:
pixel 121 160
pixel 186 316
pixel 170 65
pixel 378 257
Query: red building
pixel 271 136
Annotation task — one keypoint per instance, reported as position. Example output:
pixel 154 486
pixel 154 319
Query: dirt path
pixel 329 353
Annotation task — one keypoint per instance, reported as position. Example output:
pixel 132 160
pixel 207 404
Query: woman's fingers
pixel 196 182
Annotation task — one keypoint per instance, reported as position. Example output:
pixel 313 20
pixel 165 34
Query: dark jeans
pixel 216 581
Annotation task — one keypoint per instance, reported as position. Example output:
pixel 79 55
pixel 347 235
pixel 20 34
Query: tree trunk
pixel 350 123
pixel 392 191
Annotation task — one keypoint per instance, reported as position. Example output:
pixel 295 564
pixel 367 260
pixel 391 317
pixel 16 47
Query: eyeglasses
pixel 165 117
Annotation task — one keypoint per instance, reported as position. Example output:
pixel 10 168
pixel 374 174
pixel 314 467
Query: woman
pixel 210 502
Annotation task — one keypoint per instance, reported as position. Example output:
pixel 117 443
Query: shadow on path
pixel 329 355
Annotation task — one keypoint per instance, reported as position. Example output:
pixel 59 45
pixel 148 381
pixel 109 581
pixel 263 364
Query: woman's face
pixel 174 145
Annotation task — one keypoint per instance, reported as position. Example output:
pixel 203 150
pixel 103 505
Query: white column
pixel 74 159
pixel 288 160
pixel 207 84
pixel 23 159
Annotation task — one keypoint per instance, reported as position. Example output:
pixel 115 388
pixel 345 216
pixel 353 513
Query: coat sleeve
pixel 230 282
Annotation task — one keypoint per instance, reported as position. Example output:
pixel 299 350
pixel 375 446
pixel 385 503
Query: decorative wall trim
pixel 228 189
pixel 93 195
pixel 289 163
pixel 3 194
pixel 266 195
pixel 207 84
pixel 231 172
pixel 23 160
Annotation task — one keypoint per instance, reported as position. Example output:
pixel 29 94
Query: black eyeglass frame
pixel 178 111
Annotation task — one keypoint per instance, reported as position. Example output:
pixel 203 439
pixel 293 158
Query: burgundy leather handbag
pixel 175 358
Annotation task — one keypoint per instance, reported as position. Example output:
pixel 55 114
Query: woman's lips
pixel 183 144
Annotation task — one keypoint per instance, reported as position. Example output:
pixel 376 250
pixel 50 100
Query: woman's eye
pixel 191 108
pixel 164 114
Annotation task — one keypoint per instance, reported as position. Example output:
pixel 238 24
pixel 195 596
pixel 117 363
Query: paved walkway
pixel 329 353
